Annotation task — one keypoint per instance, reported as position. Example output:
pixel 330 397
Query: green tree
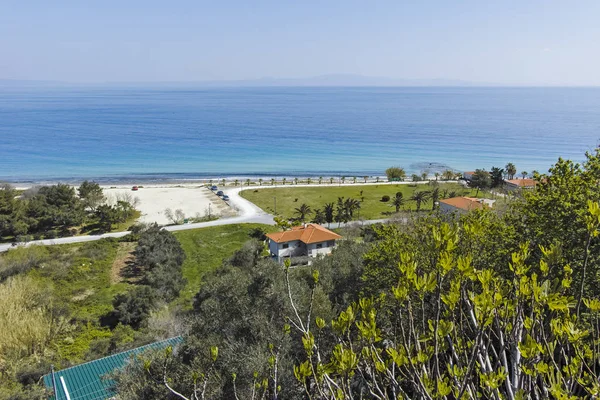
pixel 272 181
pixel 448 175
pixel 395 174
pixel 260 181
pixel 133 307
pixel 91 194
pixel 524 174
pixel 302 212
pixel 247 182
pixel 320 180
pixel 497 177
pixel 398 201
pixel 107 216
pixel 365 178
pixel 435 197
pixel 481 180
pixel 329 211
pixel 511 170
pixel 160 256
pixel 419 197
pixel 319 217
pixel 415 178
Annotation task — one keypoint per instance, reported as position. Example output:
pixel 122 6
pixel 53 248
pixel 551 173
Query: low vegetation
pixel 59 210
pixel 67 304
pixel 371 198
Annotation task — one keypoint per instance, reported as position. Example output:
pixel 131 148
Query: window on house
pixel 285 246
pixel 319 245
pixel 331 243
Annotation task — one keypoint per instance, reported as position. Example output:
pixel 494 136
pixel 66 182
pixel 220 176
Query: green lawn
pixel 205 250
pixel 372 207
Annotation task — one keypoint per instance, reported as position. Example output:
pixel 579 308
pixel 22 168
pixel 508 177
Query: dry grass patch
pixel 123 258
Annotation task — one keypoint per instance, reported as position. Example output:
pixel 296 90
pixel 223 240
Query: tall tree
pixel 395 174
pixel 496 175
pixel 329 211
pixel 303 211
pixel 398 201
pixel 419 197
pixel 91 194
pixel 524 174
pixel 481 180
pixel 319 217
pixel 511 170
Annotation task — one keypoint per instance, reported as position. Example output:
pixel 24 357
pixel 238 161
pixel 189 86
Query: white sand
pixel 153 200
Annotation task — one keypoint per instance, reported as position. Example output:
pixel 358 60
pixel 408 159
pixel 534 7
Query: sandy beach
pixel 152 201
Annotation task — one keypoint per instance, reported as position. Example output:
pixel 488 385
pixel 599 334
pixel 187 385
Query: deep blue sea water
pixel 119 133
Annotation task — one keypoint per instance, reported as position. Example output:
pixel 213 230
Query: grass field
pixel 206 249
pixel 290 198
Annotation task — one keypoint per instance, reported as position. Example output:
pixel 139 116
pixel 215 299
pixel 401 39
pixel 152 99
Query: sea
pixel 156 134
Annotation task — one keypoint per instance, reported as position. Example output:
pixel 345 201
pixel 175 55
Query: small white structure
pixel 310 240
pixel 462 205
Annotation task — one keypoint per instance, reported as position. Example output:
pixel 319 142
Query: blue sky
pixel 531 42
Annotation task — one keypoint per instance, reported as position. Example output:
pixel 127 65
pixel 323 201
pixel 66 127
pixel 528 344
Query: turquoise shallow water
pixel 146 133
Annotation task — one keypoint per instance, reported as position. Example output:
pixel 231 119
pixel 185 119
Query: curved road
pixel 248 213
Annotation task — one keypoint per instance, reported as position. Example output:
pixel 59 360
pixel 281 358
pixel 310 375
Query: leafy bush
pixel 385 198
pixel 133 307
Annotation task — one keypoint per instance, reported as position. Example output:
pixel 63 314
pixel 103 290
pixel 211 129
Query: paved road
pixel 248 213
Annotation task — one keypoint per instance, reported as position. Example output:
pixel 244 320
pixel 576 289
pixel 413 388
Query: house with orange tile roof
pixel 468 175
pixel 518 184
pixel 309 240
pixel 462 205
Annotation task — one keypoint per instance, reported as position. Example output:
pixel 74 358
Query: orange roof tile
pixel 312 233
pixel 464 203
pixel 522 182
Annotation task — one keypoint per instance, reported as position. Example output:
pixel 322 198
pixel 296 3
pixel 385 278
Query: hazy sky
pixel 511 42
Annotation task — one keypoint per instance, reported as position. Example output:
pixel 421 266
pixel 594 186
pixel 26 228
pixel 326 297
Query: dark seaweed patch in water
pixel 430 167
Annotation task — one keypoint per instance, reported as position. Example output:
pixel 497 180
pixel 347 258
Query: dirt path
pixel 124 255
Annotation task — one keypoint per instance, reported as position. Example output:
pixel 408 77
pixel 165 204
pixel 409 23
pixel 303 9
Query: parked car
pixel 213 188
pixel 220 193
pixel 134 188
pixel 225 197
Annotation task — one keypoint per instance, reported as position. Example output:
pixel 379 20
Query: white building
pixel 310 241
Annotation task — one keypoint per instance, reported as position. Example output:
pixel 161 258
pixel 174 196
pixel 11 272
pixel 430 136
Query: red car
pixel 134 188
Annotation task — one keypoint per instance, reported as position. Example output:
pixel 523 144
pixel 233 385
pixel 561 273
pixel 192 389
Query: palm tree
pixel 343 179
pixel 308 180
pixel 365 178
pixel 223 182
pixel 435 196
pixel 377 180
pixel 437 175
pixel 511 170
pixel 328 210
pixel 210 181
pixel 351 205
pixel 247 182
pixel 284 180
pixel 420 197
pixel 448 175
pixel 319 217
pixel 354 180
pixel 235 183
pixel 331 180
pixel 424 175
pixel 295 181
pixel 320 179
pixel 303 211
pixel 272 181
pixel 524 174
pixel 398 201
pixel 260 181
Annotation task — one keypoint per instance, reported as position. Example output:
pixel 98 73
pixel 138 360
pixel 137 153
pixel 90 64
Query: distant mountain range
pixel 331 80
